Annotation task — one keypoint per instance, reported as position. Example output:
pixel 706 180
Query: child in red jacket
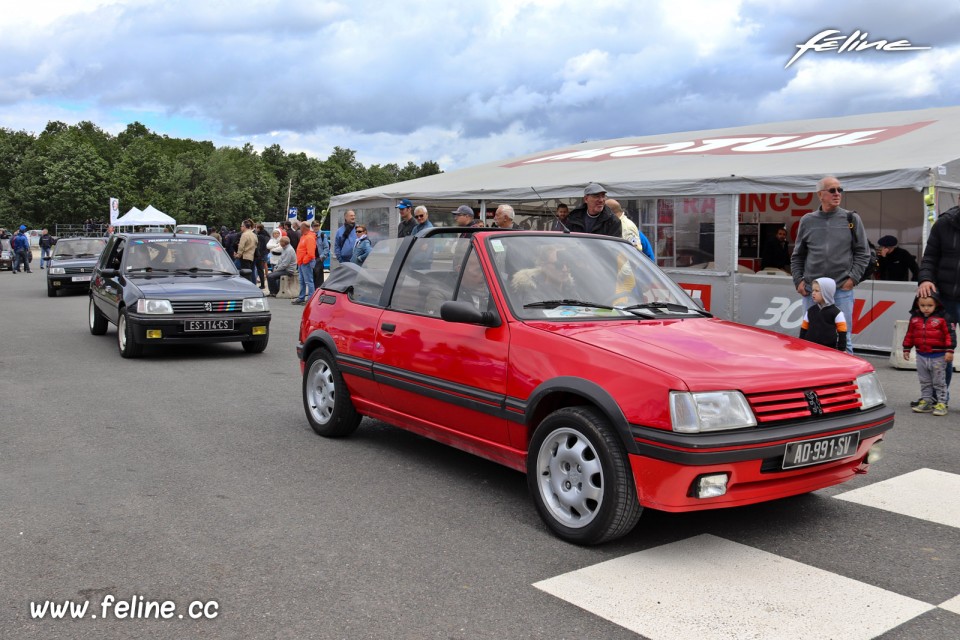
pixel 935 339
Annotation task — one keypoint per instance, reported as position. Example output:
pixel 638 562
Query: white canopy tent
pixel 150 216
pixel 134 212
pixel 903 149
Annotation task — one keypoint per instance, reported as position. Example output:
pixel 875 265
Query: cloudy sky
pixel 460 83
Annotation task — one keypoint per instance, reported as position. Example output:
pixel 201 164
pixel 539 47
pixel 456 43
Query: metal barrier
pixel 77 230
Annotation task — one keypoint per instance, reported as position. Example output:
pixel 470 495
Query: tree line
pixel 67 174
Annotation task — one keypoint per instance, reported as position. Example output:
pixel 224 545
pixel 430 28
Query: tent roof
pixel 902 149
pixel 149 216
pixel 133 210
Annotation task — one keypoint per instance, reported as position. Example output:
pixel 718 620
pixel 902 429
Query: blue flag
pixel 292 214
pixel 310 213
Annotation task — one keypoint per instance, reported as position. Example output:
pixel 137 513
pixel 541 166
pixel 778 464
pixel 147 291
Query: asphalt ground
pixel 191 475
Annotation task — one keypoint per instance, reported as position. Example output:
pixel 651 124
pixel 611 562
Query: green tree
pixel 67 173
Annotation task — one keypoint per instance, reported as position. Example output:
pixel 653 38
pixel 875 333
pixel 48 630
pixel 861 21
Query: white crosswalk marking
pixel 953 604
pixel 925 493
pixel 709 587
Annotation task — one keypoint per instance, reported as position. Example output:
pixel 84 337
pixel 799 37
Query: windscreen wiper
pixel 199 270
pixel 553 304
pixel 668 306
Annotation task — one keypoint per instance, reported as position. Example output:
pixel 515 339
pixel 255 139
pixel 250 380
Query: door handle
pixel 388 327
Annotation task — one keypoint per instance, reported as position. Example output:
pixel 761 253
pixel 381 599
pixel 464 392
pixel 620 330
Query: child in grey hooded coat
pixel 824 322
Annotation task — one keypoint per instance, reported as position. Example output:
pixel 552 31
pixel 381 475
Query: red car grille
pixel 778 406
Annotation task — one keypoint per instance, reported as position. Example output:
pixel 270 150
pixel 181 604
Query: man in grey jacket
pixel 826 247
pixel 286 266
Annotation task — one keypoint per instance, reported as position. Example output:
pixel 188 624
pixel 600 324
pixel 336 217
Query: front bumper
pixel 172 328
pixel 66 283
pixel 665 470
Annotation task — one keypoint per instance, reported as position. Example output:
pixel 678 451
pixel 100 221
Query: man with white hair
pixel 422 216
pixel 503 218
pixel 832 243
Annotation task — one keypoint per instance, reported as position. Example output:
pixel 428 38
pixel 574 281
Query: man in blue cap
pixel 21 250
pixel 407 223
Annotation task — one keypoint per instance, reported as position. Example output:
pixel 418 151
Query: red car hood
pixel 711 353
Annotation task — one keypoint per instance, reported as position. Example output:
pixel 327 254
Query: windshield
pixel 78 248
pixel 568 276
pixel 169 255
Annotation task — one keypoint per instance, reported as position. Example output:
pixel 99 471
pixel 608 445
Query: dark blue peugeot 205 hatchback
pixel 166 288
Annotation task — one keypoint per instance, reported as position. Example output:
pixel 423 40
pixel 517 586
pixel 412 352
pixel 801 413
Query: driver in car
pixel 550 279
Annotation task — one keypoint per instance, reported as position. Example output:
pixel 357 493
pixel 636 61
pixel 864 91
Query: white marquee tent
pixel 150 216
pixel 904 149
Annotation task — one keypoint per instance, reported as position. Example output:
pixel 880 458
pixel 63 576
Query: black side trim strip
pixel 360 367
pixel 456 394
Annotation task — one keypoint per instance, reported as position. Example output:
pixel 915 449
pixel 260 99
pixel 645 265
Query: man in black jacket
pixel 46 246
pixel 940 269
pixel 594 216
pixel 895 263
pixel 407 223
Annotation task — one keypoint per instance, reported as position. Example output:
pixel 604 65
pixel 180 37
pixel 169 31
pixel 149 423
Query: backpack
pixel 873 261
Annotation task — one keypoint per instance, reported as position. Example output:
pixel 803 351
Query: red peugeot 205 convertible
pixel 573 358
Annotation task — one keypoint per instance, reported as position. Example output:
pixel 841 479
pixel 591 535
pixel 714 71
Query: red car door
pixel 446 380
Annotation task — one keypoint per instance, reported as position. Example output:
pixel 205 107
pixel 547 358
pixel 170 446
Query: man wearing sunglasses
pixel 827 246
pixel 422 216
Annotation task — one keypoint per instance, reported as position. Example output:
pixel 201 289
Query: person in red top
pixel 306 258
pixel 935 338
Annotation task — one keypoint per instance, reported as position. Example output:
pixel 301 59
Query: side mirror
pixel 466 313
pixel 108 273
pixel 246 272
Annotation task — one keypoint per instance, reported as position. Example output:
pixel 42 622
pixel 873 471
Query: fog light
pixel 710 486
pixel 154 333
pixel 875 453
pixel 259 331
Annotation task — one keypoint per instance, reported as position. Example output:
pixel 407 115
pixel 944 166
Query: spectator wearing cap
pixel 407 223
pixel 895 263
pixel 594 216
pixel 21 250
pixel 464 217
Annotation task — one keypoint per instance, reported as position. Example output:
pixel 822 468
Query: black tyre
pixel 128 348
pixel 580 477
pixel 257 345
pixel 51 292
pixel 326 399
pixel 98 324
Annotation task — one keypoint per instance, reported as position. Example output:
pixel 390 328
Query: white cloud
pixel 462 82
pixel 831 82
